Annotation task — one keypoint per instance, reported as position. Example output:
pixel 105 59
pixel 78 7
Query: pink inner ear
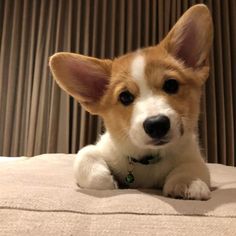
pixel 186 50
pixel 89 80
pixel 188 45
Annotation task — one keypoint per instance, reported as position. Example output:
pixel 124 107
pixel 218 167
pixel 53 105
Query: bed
pixel 39 197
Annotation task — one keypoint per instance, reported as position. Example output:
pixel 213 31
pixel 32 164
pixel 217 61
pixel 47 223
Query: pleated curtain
pixel 36 116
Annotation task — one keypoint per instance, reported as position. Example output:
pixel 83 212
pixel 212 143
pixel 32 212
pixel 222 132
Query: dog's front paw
pixel 194 190
pixel 97 177
pixel 102 181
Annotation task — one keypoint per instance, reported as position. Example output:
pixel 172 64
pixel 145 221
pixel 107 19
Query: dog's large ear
pixel 191 37
pixel 84 78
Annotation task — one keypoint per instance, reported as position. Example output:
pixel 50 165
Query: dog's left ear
pixel 190 39
pixel 84 78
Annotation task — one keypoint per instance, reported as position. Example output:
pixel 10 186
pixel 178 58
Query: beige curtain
pixel 37 117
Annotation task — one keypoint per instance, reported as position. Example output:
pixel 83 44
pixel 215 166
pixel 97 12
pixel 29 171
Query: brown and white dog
pixel 149 101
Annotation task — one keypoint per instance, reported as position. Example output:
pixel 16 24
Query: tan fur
pixel 162 62
pixel 60 68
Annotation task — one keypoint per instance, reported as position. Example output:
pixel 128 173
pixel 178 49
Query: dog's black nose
pixel 157 126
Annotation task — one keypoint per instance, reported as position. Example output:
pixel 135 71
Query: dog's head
pixel 150 97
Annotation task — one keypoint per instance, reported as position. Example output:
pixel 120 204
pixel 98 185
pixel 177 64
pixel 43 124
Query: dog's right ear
pixel 84 78
pixel 190 39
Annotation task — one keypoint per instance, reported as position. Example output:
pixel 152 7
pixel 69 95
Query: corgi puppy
pixel 149 100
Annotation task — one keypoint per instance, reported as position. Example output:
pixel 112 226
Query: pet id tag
pixel 129 179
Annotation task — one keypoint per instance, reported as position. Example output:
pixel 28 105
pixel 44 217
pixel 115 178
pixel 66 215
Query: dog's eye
pixel 126 98
pixel 171 86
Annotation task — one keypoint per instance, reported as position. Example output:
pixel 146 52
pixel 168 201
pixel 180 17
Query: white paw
pixel 97 177
pixel 195 190
pixel 101 179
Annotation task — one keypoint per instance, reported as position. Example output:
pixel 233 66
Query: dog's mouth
pixel 159 142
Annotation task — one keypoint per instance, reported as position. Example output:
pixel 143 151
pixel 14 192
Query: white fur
pixel 138 73
pixel 195 190
pixel 97 176
pixel 181 171
pixel 147 105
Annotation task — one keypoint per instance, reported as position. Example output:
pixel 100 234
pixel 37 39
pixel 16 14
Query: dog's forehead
pixel 137 67
pixel 143 67
pixel 133 65
pixel 147 68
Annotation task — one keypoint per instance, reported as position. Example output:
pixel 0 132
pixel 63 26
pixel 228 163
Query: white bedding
pixel 7 159
pixel 37 200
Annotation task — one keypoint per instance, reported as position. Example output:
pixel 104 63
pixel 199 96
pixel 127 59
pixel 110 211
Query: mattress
pixel 38 196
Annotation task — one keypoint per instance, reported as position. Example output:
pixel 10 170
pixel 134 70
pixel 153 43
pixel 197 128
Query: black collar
pixel 146 160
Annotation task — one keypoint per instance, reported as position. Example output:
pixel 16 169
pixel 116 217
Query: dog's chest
pixel 138 175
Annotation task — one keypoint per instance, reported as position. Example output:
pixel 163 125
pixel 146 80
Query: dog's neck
pixel 127 148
